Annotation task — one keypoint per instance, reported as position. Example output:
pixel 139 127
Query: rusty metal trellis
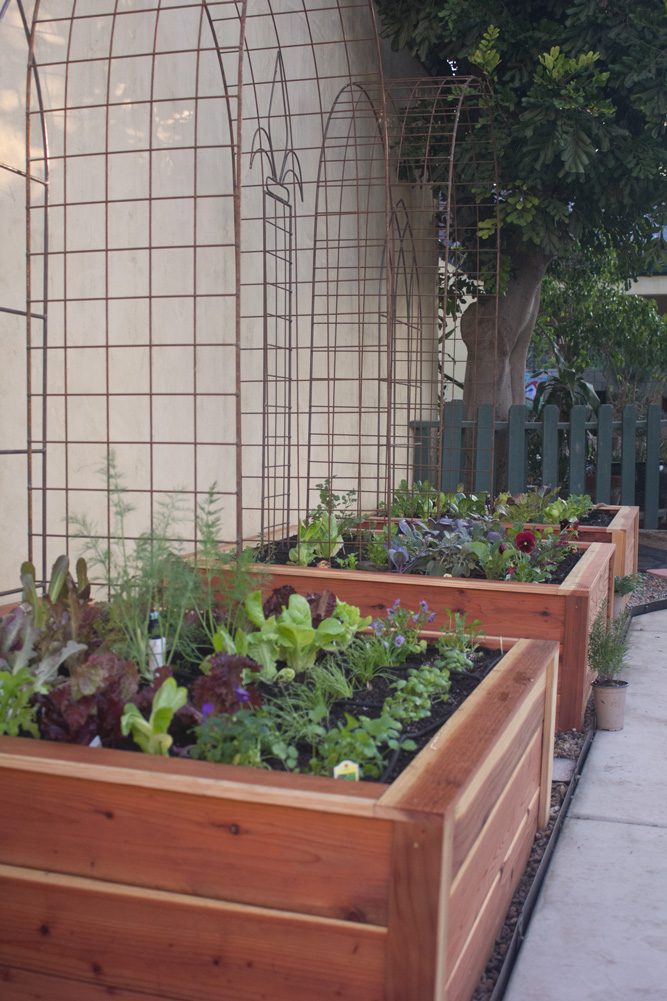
pixel 248 254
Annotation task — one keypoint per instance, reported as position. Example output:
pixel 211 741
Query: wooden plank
pixel 516 805
pixel 194 778
pixel 605 418
pixel 421 862
pixel 484 739
pixel 574 679
pixel 450 473
pixel 27 985
pixel 550 446
pixel 628 453
pixel 652 482
pixel 484 448
pixel 577 443
pixel 548 737
pixel 465 972
pixel 267 855
pixel 172 945
pixel 516 449
pixel 497 604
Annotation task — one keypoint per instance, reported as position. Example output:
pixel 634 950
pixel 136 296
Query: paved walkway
pixel 599 929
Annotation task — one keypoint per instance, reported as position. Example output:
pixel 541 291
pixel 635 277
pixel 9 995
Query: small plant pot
pixel 609 699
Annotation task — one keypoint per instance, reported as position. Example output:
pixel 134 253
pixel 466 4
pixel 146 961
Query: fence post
pixel 603 454
pixel 450 474
pixel 652 483
pixel 550 416
pixel 516 449
pixel 424 461
pixel 577 442
pixel 484 449
pixel 628 456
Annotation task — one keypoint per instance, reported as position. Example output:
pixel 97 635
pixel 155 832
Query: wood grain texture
pixel 468 965
pixel 515 808
pixel 478 738
pixel 26 985
pixel 189 778
pixel 418 910
pixel 548 738
pixel 176 947
pixel 369 866
pixel 253 853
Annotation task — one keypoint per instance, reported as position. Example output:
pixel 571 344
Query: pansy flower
pixel 525 541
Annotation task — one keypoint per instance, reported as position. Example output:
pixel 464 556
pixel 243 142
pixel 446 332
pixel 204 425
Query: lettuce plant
pixel 17 710
pixel 151 734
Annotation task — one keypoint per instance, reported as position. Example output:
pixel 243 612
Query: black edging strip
pixel 649 606
pixel 523 920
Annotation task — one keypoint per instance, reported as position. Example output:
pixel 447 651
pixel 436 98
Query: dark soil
pixel 597 517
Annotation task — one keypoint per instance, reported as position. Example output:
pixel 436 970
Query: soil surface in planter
pixel 278 554
pixel 598 517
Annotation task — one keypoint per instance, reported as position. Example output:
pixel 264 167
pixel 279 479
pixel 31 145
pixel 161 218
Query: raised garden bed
pixel 622 531
pixel 562 612
pixel 170 879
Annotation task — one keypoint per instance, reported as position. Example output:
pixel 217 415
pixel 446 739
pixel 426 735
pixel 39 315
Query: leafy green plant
pixel 320 534
pixel 151 734
pixel 247 737
pixel 458 641
pixel 413 695
pixel 628 584
pixel 17 710
pixel 608 644
pixel 54 624
pixel 545 506
pixel 363 740
pixel 317 538
pixel 226 579
pixel 141 576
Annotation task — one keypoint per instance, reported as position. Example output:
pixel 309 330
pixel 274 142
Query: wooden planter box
pixel 149 879
pixel 622 532
pixel 563 612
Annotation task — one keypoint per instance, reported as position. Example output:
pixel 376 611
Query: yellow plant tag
pixel 347 770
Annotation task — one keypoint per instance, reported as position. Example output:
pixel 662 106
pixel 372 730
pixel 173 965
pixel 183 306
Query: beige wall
pixel 142 270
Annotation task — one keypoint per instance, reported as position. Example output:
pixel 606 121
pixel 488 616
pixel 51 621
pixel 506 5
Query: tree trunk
pixel 497 338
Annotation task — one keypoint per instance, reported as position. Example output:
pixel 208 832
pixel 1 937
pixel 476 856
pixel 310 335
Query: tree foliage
pixel 589 319
pixel 578 106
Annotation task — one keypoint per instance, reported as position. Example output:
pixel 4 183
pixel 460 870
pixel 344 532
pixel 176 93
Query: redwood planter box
pixel 622 531
pixel 563 612
pixel 151 879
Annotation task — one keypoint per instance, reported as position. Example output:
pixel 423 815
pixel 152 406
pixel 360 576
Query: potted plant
pixel 156 876
pixel 623 587
pixel 607 649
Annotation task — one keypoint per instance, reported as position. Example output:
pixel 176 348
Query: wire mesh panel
pixel 259 256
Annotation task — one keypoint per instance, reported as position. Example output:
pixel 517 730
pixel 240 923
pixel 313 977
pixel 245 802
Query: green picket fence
pixel 615 461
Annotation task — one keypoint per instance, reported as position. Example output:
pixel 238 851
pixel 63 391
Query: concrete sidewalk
pixel 599 929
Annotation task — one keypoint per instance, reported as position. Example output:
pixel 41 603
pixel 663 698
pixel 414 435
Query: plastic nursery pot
pixel 609 700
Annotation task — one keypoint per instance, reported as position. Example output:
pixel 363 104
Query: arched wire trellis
pixel 235 259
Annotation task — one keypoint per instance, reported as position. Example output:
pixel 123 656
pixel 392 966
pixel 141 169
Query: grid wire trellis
pixel 247 256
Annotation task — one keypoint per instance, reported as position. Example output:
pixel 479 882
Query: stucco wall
pixel 147 264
